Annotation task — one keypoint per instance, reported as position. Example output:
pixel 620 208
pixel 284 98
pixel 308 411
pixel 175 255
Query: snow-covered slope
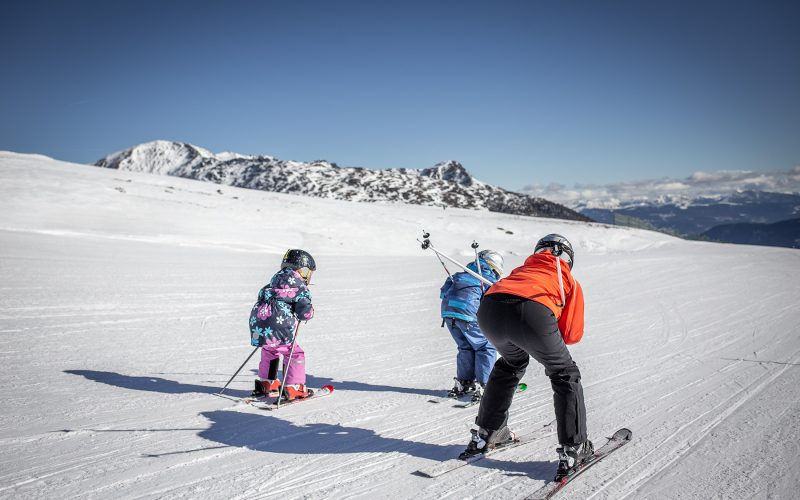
pixel 447 184
pixel 125 299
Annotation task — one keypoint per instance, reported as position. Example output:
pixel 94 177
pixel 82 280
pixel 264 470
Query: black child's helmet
pixel 299 260
pixel 558 246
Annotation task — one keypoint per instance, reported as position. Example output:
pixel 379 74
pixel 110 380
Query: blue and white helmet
pixel 494 259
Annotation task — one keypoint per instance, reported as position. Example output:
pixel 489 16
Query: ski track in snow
pixel 128 312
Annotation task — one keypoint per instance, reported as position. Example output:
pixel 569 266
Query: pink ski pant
pixel 296 374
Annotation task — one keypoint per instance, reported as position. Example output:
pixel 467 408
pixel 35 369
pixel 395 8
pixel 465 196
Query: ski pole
pixel 427 244
pixel 425 236
pixel 237 371
pixel 477 261
pixel 287 365
pixel 289 361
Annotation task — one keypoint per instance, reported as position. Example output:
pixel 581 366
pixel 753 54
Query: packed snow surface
pixel 125 299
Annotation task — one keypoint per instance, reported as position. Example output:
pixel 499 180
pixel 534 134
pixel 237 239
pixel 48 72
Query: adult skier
pixel 280 305
pixel 536 311
pixel 461 295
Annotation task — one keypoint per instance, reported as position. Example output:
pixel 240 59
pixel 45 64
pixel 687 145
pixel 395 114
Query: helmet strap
pixel 560 282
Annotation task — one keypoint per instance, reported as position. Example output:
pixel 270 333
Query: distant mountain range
pixel 698 215
pixel 692 206
pixel 687 206
pixel 446 184
pixel 783 234
pixel 748 217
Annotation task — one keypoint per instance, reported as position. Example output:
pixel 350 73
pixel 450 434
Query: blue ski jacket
pixel 461 296
pixel 283 302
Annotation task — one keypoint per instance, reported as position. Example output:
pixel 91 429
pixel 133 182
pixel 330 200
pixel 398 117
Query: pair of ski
pixel 270 401
pixel 462 404
pixel 619 439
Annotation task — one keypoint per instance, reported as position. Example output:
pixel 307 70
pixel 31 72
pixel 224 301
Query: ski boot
pixel 570 456
pixel 294 391
pixel 484 440
pixel 258 391
pixel 265 387
pixel 478 392
pixel 461 387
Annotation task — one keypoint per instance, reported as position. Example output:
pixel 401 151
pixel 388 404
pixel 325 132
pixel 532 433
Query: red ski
pixel 312 394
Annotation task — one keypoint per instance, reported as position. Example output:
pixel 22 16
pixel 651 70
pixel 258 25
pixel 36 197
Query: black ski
pixel 446 466
pixel 615 442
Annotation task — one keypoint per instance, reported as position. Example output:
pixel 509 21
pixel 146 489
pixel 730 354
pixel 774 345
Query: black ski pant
pixel 520 328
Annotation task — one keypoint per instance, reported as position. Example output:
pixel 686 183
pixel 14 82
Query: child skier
pixel 536 311
pixel 281 304
pixel 460 296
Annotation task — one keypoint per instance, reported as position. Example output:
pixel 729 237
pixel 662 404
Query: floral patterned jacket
pixel 280 305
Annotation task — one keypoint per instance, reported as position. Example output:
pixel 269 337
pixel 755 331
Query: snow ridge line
pixel 328 480
pixel 644 477
pixel 634 387
pixel 76 464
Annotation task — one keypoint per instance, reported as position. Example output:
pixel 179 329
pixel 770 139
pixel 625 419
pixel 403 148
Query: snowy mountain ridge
pixel 447 184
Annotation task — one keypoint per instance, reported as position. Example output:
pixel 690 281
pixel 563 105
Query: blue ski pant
pixel 476 355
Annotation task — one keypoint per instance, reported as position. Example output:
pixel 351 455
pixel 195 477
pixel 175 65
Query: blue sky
pixel 521 93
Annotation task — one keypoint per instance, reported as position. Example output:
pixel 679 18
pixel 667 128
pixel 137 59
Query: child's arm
pixel 303 308
pixel 448 283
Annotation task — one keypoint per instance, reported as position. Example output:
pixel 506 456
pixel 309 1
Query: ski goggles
pixel 305 273
pixel 556 251
pixel 494 268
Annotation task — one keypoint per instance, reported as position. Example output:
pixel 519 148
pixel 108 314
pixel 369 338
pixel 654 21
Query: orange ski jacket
pixel 537 280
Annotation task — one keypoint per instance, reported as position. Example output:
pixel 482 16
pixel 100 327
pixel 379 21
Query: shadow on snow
pixel 151 384
pixel 158 384
pixel 350 385
pixel 272 435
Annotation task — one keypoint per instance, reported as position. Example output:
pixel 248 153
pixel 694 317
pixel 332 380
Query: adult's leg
pixel 544 343
pixel 496 318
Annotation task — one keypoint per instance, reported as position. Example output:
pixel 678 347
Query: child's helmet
pixel 494 259
pixel 558 246
pixel 298 259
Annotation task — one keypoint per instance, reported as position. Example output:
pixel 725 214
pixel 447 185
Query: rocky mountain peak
pixel 446 184
pixel 451 171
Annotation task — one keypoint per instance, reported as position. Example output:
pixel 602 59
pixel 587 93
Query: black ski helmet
pixel 298 259
pixel 558 245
